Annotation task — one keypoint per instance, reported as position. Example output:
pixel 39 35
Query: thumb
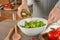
pixel 50 20
pixel 19 13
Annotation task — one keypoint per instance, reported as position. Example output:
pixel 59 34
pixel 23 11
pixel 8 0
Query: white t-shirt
pixel 42 8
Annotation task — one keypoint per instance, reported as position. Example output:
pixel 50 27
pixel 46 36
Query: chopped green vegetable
pixel 33 24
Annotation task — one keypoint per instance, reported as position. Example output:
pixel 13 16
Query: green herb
pixel 33 24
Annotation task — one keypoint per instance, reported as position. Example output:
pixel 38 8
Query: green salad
pixel 33 24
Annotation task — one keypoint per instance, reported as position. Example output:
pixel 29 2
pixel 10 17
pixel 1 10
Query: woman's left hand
pixel 22 6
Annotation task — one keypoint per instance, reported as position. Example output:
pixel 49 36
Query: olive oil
pixel 25 13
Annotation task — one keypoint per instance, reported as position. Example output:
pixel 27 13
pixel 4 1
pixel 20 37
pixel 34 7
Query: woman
pixel 41 8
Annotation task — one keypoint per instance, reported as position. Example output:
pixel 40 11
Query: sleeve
pixel 58 4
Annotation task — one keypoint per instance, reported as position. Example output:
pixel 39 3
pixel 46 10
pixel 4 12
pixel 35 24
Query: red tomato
pixel 51 35
pixel 55 34
pixel 58 30
pixel 8 6
pixel 32 38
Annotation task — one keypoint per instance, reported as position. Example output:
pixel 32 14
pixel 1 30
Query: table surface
pixel 8 11
pixel 6 25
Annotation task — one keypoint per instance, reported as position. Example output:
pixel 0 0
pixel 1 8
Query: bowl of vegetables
pixel 32 26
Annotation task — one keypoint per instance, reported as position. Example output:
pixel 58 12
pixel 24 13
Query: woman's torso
pixel 41 8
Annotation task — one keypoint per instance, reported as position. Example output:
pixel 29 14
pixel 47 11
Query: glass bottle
pixel 25 13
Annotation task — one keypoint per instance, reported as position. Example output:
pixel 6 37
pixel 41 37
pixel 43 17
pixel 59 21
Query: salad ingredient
pixel 58 30
pixel 52 35
pixel 32 38
pixel 8 6
pixel 55 34
pixel 33 24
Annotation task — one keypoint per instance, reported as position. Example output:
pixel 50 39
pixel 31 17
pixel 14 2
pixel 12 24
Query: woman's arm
pixel 54 15
pixel 22 6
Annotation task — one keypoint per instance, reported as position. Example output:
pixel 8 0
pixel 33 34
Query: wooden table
pixel 6 25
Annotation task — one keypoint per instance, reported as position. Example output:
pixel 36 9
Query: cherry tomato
pixel 51 35
pixel 8 5
pixel 32 38
pixel 54 34
pixel 58 30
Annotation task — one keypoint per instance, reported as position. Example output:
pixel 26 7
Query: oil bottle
pixel 25 13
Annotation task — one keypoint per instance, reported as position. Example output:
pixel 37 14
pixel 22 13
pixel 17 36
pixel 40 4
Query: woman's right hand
pixel 22 6
pixel 54 15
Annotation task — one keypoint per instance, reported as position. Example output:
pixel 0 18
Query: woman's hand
pixel 54 15
pixel 22 6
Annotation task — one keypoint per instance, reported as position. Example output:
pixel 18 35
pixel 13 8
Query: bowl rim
pixel 32 18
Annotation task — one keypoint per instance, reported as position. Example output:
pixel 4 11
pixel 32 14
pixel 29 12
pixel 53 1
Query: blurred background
pixel 44 5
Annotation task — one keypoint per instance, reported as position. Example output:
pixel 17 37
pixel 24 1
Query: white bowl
pixel 32 31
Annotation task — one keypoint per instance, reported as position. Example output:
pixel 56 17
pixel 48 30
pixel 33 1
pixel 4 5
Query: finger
pixel 50 15
pixel 50 19
pixel 55 19
pixel 19 13
pixel 27 9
